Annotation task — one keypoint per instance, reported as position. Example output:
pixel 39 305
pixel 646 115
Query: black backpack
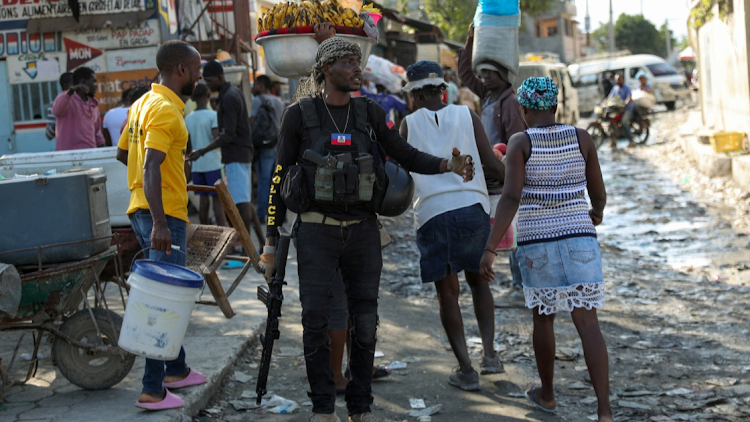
pixel 266 127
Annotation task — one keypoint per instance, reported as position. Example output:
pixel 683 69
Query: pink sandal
pixel 170 402
pixel 193 378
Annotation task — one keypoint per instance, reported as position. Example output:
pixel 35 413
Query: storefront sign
pixel 18 42
pixel 144 34
pixel 111 85
pixel 19 10
pixel 78 54
pixel 37 67
pixel 131 59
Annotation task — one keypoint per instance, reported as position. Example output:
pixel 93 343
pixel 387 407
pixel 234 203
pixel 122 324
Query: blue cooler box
pixel 45 210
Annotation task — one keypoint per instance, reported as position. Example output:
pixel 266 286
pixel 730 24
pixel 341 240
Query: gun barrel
pixel 272 296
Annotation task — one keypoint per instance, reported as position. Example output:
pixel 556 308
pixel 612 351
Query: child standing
pixel 549 166
pixel 203 128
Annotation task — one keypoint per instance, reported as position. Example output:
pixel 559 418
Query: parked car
pixel 567 104
pixel 594 78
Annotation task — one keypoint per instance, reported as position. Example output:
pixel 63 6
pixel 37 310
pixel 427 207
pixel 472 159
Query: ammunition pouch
pixel 349 181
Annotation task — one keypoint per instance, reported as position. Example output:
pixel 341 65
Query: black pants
pixel 321 251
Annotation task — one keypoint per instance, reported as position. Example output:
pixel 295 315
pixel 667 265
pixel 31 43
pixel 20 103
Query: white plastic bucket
pixel 162 297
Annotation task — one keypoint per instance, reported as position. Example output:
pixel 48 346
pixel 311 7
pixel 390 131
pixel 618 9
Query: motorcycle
pixel 609 123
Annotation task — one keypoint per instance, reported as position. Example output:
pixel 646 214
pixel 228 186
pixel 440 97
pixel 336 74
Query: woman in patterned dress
pixel 549 168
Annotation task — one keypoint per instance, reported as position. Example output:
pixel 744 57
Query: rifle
pixel 272 297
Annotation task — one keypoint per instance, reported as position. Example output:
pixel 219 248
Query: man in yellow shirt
pixel 153 146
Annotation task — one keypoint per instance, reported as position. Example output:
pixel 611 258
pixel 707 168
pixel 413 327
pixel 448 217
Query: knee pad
pixel 365 327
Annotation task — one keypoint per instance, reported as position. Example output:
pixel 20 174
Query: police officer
pixel 330 170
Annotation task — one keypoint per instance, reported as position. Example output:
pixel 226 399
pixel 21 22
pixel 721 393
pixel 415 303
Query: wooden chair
pixel 208 246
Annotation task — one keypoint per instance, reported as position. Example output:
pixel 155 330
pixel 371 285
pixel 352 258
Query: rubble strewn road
pixel 676 251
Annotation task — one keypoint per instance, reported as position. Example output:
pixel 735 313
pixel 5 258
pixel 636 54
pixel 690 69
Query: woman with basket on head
pixel 549 168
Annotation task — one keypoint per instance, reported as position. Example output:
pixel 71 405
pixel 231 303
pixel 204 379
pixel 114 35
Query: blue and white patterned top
pixel 553 201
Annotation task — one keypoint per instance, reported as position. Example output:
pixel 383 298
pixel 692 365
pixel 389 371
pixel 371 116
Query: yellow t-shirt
pixel 156 121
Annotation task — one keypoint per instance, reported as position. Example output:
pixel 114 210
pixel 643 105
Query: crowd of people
pixel 465 199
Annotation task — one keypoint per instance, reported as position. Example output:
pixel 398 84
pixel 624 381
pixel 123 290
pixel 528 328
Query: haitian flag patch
pixel 341 139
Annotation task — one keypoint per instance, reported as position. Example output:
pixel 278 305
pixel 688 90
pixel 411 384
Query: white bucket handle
pixel 174 248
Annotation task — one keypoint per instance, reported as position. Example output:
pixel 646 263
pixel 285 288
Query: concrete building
pixel 721 50
pixel 722 53
pixel 555 31
pixel 118 40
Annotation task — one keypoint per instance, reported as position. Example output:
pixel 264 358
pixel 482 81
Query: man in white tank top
pixel 452 217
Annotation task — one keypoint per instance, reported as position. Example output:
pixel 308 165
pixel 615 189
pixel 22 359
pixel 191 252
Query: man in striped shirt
pixel 65 81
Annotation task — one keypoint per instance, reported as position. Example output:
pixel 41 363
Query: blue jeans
pixel 515 270
pixel 265 163
pixel 142 223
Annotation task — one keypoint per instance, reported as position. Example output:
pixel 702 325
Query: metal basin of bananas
pixel 286 34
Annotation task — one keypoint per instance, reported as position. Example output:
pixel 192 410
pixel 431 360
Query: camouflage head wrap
pixel 329 51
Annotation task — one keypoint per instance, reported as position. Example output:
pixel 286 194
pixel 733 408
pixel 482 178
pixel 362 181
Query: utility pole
pixel 611 30
pixel 669 38
pixel 588 26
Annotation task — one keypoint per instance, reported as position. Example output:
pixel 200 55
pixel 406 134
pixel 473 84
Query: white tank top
pixel 436 133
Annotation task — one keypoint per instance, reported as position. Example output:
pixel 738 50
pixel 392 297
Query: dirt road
pixel 676 254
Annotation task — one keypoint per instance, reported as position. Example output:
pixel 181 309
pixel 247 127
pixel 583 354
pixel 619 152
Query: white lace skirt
pixel 562 275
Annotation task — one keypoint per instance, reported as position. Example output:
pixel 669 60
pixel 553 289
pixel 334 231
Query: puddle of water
pixel 647 212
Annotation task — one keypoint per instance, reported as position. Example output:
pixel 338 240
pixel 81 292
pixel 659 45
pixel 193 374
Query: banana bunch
pixel 307 13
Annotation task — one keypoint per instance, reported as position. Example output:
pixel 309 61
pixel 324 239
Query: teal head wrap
pixel 538 93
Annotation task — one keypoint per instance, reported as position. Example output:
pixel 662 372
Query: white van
pixel 593 79
pixel 567 100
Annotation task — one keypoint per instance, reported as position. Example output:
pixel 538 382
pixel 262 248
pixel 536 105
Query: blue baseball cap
pixel 424 73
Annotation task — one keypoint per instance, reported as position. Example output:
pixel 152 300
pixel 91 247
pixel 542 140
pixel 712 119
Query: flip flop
pixel 170 401
pixel 529 394
pixel 193 378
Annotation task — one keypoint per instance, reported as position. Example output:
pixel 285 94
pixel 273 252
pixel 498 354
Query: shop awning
pixel 687 54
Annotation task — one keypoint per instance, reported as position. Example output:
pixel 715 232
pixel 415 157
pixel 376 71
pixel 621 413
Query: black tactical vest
pixel 338 169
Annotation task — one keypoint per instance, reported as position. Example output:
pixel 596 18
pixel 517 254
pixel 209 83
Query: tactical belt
pixel 316 217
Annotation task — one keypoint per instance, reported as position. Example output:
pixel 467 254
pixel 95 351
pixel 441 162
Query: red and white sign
pixel 78 54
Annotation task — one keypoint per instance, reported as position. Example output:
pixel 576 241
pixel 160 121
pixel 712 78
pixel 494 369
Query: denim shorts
pixel 452 242
pixel 562 275
pixel 207 178
pixel 239 181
